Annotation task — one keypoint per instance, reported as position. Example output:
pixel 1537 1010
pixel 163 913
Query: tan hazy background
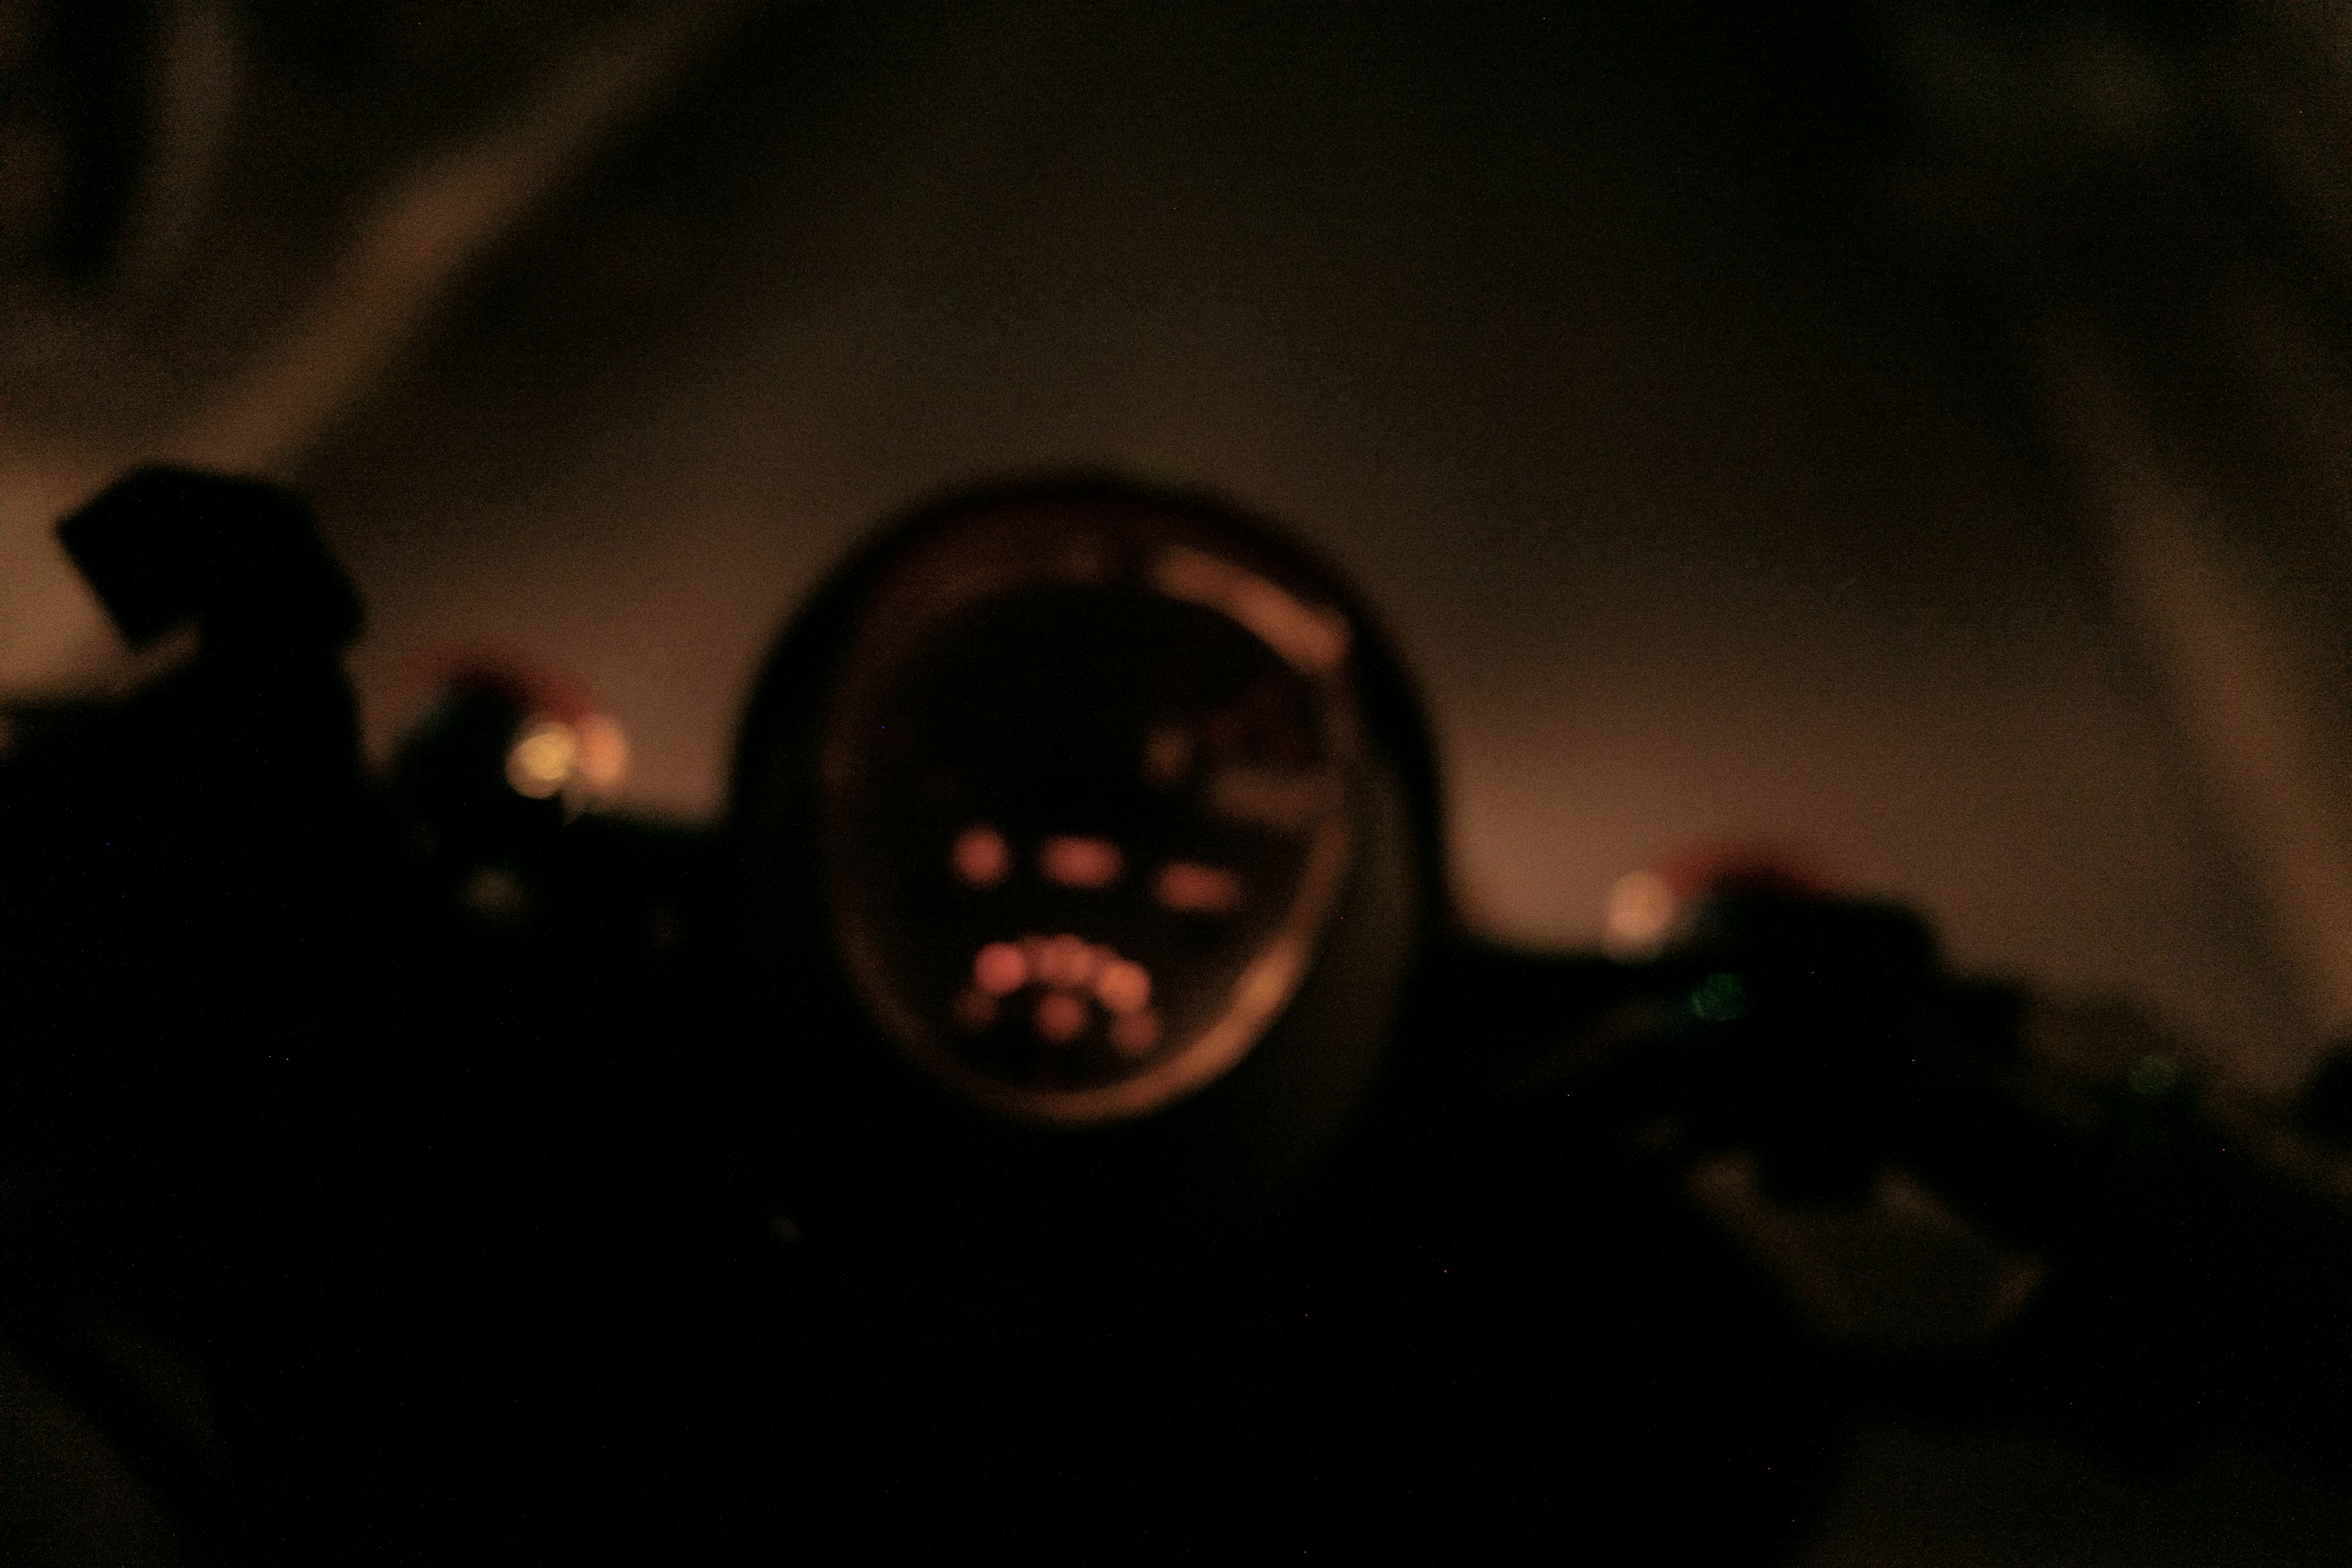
pixel 1913 432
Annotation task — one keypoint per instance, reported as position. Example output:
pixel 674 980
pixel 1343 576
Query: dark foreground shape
pixel 426 1169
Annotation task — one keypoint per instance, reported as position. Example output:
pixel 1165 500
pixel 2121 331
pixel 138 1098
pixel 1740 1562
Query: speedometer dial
pixel 1088 796
pixel 1077 809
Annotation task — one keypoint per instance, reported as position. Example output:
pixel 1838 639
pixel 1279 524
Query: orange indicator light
pixel 1000 969
pixel 1123 986
pixel 1065 961
pixel 1076 862
pixel 982 857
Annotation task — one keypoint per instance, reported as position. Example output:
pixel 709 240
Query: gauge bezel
pixel 857 1129
pixel 1017 545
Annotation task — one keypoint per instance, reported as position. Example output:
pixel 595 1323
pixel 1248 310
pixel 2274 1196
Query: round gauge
pixel 1087 795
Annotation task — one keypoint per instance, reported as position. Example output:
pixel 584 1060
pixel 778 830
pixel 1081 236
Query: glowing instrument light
pixel 1000 969
pixel 980 856
pixel 1123 986
pixel 1076 862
